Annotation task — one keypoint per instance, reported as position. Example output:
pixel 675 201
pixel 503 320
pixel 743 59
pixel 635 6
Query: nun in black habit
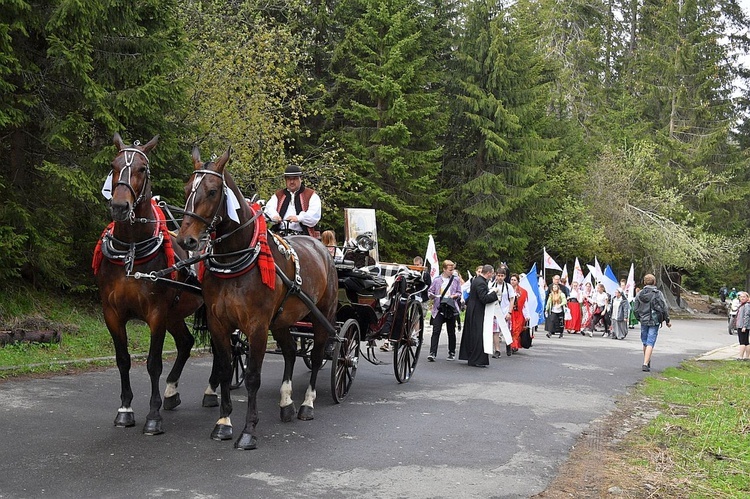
pixel 472 339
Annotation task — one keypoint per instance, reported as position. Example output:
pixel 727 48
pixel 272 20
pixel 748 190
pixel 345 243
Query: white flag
pixel 630 284
pixel 577 273
pixel 549 263
pixel 431 258
pixel 598 274
pixel 565 274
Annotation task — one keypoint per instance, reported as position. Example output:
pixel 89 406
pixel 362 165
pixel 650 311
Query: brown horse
pixel 138 240
pixel 257 299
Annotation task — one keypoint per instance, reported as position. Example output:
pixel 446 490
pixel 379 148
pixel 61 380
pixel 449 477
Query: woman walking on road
pixel 620 315
pixel 555 310
pixel 743 326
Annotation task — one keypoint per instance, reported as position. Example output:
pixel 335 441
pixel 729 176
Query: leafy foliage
pixel 614 129
pixel 386 108
pixel 72 74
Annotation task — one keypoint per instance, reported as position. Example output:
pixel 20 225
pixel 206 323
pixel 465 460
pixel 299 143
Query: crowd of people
pixel 496 313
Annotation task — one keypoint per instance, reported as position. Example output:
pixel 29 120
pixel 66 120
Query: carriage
pixel 376 303
pixel 251 281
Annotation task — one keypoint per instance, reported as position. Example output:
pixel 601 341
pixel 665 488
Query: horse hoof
pixel 305 413
pixel 125 419
pixel 170 403
pixel 210 400
pixel 153 427
pixel 287 413
pixel 246 442
pixel 221 432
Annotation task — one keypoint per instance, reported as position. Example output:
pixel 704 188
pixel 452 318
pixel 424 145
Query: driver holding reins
pixel 300 205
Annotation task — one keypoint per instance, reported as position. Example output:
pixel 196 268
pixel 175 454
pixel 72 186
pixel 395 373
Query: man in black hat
pixel 296 204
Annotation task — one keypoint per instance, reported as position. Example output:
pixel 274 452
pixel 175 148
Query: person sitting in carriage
pixel 296 204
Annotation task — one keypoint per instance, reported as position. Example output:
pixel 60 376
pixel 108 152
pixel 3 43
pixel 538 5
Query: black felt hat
pixel 293 171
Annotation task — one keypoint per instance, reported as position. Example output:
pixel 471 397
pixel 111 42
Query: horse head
pixel 130 178
pixel 208 201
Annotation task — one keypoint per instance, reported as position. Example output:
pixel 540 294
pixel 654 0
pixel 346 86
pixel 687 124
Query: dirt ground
pixel 601 464
pixel 603 461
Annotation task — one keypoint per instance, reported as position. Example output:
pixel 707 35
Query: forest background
pixel 608 128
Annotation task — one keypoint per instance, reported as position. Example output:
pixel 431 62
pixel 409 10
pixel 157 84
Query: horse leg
pixel 258 339
pixel 306 410
pixel 125 417
pixel 210 397
pixel 221 375
pixel 289 350
pixel 154 366
pixel 184 342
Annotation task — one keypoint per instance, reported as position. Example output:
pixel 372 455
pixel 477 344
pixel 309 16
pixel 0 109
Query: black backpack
pixel 657 309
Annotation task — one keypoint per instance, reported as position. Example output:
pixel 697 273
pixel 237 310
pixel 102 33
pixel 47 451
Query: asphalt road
pixel 452 431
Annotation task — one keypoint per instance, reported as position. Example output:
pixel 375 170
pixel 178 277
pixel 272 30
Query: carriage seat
pixel 360 282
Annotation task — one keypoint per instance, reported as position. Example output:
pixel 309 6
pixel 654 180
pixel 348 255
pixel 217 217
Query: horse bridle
pixel 128 164
pixel 189 210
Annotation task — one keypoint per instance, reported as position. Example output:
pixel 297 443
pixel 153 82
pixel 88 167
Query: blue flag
pixel 609 280
pixel 534 308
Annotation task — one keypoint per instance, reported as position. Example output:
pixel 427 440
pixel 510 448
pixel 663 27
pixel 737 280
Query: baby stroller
pixel 732 315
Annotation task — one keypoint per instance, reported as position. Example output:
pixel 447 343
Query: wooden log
pixel 21 335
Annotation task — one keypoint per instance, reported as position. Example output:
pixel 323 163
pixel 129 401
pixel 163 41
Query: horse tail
pixel 200 326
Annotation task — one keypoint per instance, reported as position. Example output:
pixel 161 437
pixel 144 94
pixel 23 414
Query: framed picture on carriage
pixel 358 221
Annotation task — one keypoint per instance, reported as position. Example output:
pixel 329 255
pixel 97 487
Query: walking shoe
pixel 591 334
pixel 507 350
pixel 548 336
pixel 645 368
pixel 451 356
pixel 431 357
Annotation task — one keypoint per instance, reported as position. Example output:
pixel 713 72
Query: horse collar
pixel 137 252
pixel 241 265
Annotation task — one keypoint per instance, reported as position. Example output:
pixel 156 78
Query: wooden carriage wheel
pixel 344 360
pixel 407 348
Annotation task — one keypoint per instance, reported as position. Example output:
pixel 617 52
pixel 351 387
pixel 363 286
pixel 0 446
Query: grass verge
pixel 85 339
pixel 699 444
pixel 682 433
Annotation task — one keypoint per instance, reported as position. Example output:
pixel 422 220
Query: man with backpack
pixel 651 309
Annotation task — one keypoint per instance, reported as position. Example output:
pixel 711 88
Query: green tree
pixel 500 138
pixel 387 115
pixel 72 74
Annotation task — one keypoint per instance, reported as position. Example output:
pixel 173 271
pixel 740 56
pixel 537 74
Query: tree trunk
pixel 19 335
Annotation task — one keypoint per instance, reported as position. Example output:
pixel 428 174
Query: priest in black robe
pixel 472 340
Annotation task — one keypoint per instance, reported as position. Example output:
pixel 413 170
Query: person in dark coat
pixel 472 339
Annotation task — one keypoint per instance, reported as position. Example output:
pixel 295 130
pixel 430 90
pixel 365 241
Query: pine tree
pixel 500 136
pixel 387 116
pixel 72 74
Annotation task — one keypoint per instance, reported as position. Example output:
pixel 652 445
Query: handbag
pixel 568 315
pixel 526 337
pixel 446 307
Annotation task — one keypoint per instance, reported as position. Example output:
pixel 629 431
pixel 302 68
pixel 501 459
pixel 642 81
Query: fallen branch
pixel 20 335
